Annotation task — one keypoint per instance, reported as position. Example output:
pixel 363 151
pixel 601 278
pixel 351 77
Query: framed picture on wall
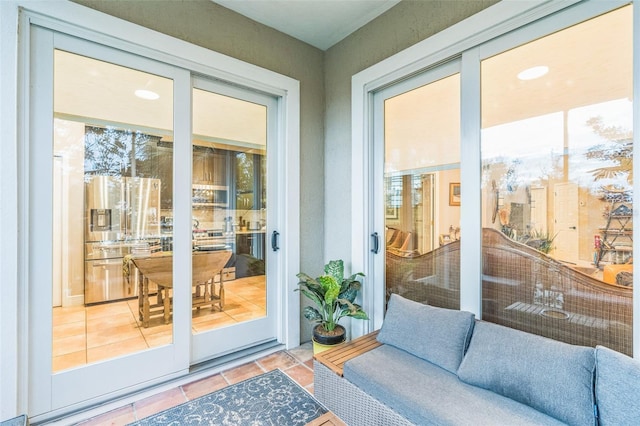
pixel 454 194
pixel 391 212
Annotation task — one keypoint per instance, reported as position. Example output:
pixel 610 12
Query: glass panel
pixel 557 184
pixel 110 186
pixel 422 193
pixel 229 210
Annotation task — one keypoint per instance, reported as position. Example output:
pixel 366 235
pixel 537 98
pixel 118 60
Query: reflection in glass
pixel 109 185
pixel 229 210
pixel 421 183
pixel 557 185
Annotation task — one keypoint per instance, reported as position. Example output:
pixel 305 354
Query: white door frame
pixel 85 23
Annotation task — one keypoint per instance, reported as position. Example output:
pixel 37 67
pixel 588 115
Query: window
pixel 557 140
pixel 543 182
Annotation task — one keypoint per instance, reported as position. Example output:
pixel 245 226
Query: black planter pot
pixel 333 339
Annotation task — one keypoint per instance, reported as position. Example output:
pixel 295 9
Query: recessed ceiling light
pixel 533 72
pixel 146 94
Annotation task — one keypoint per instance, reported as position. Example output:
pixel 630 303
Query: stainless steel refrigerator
pixel 122 215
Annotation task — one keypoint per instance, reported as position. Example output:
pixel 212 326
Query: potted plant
pixel 333 296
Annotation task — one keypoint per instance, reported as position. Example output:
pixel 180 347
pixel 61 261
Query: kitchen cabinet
pixel 209 166
pixel 220 168
pixel 251 243
pixel 249 181
pixel 145 157
pixel 165 174
pixel 202 165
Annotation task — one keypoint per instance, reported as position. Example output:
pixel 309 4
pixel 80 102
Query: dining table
pixel 158 268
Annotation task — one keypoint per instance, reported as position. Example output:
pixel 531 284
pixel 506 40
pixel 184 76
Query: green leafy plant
pixel 332 294
pixel 541 241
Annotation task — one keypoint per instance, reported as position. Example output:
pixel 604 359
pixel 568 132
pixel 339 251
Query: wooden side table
pixel 327 419
pixel 335 358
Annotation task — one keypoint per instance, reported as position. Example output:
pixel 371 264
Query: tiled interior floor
pixel 89 334
pixel 296 363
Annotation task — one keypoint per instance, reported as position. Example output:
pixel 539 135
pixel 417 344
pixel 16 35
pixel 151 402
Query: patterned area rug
pixel 269 399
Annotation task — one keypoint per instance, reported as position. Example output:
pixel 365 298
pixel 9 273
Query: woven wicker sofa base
pixel 350 403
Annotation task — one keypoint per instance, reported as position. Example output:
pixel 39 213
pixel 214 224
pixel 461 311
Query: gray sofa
pixel 443 367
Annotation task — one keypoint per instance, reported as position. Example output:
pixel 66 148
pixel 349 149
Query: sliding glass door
pixel 97 119
pixel 153 233
pixel 419 127
pixel 546 114
pixel 233 134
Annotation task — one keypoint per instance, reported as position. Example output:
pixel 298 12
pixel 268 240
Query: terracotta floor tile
pixel 301 374
pixel 303 352
pixel 242 372
pixel 309 388
pixel 204 386
pixel 156 403
pixel 281 360
pixel 118 417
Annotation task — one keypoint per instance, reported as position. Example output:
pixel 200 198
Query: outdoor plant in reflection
pixel 332 294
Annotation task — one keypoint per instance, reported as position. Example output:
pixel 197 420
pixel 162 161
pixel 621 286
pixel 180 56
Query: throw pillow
pixel 437 335
pixel 617 388
pixel 553 377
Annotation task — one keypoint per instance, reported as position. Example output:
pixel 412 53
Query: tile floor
pixel 89 334
pixel 296 363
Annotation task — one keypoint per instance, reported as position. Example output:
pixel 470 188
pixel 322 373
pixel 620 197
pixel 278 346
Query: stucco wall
pixel 214 27
pixel 402 26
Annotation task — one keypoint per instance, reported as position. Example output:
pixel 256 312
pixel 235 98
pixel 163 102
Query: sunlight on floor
pixel 83 335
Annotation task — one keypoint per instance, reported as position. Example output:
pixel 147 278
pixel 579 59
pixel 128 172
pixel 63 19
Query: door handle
pixel 274 240
pixel 376 243
pixel 572 227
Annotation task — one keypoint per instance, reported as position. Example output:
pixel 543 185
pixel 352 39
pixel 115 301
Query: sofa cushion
pixel 426 394
pixel 617 388
pixel 435 334
pixel 550 376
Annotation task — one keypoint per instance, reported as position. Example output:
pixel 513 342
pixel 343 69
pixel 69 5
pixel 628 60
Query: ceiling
pixel 320 23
